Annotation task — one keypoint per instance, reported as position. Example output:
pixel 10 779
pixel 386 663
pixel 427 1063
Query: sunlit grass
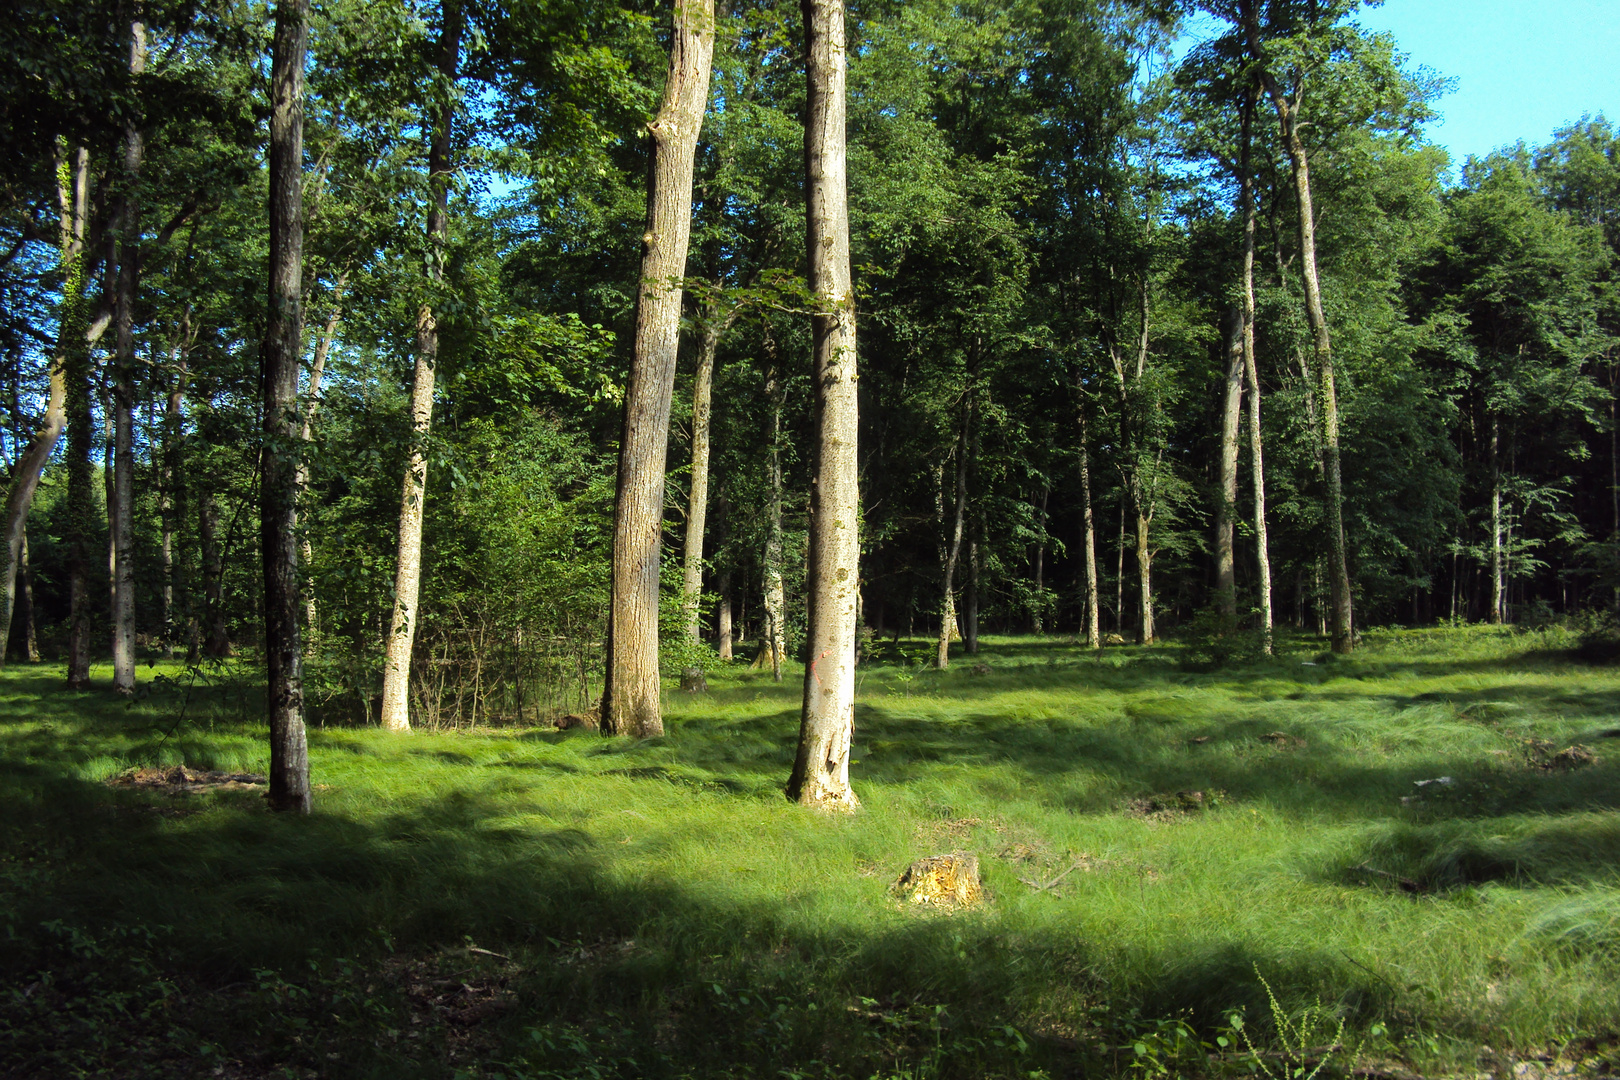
pixel 1480 911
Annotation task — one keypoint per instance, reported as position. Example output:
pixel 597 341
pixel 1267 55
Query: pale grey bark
pixel 697 501
pixel 820 775
pixel 775 595
pixel 1252 375
pixel 121 509
pixel 953 553
pixel 632 689
pixel 1226 495
pixel 403 624
pixel 317 371
pixel 1088 539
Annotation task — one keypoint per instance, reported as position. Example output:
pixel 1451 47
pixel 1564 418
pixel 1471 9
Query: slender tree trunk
pixel 1088 539
pixel 697 502
pixel 72 175
pixel 1288 126
pixel 81 507
pixel 1038 608
pixel 723 616
pixel 775 598
pixel 217 643
pixel 821 768
pixel 170 498
pixel 1252 374
pixel 1119 573
pixel 396 709
pixel 630 699
pixel 970 639
pixel 30 639
pixel 283 351
pixel 317 371
pixel 1498 594
pixel 121 511
pixel 953 552
pixel 1146 633
pixel 1226 499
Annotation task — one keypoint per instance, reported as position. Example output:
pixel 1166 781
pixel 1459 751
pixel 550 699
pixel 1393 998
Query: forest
pixel 1106 443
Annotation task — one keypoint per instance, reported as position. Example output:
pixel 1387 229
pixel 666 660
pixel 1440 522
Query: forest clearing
pixel 1156 837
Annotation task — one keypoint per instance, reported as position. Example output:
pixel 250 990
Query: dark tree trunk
pixel 630 698
pixel 283 352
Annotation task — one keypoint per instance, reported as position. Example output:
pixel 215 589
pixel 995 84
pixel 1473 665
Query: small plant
pixel 1300 1054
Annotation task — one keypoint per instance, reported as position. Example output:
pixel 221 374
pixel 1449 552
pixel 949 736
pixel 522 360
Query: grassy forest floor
pixel 1164 849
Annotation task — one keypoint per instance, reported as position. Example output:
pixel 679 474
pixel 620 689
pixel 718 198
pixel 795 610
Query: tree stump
pixel 949 881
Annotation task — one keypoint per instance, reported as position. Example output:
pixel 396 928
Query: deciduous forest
pixel 908 540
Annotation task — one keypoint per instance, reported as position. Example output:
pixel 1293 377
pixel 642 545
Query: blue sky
pixel 1522 67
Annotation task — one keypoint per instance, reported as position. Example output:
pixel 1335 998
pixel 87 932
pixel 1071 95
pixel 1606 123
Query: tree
pixel 283 445
pixel 630 696
pixel 820 775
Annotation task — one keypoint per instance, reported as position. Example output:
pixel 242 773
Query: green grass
pixel 660 910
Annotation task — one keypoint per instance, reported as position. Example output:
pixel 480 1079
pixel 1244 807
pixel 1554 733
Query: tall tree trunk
pixel 170 497
pixel 775 599
pixel 1252 375
pixel 283 351
pixel 1038 608
pixel 1146 632
pixel 953 552
pixel 1288 127
pixel 217 643
pixel 970 638
pixel 30 639
pixel 121 511
pixel 1226 497
pixel 1088 539
pixel 316 371
pixel 821 768
pixel 81 506
pixel 630 698
pixel 723 616
pixel 73 197
pixel 402 627
pixel 1498 576
pixel 697 501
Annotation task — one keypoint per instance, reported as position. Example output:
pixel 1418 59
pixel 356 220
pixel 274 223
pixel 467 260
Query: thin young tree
pixel 820 775
pixel 402 627
pixel 630 696
pixel 1286 101
pixel 283 351
pixel 1257 468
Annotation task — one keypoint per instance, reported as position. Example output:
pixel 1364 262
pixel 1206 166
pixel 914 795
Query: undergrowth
pixel 1184 862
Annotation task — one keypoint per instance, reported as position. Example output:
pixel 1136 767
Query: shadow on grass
pixel 271 939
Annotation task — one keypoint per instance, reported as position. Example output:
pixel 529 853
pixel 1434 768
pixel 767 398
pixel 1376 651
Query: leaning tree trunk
pixel 1226 497
pixel 74 198
pixel 1288 127
pixel 1251 373
pixel 283 351
pixel 1088 538
pixel 121 511
pixel 402 626
pixel 631 690
pixel 953 553
pixel 827 727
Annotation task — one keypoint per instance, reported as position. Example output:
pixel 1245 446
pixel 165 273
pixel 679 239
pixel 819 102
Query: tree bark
pixel 631 693
pixel 723 616
pixel 1498 592
pixel 697 502
pixel 81 507
pixel 316 371
pixel 283 351
pixel 30 639
pixel 826 729
pixel 170 495
pixel 72 175
pixel 1226 497
pixel 1288 128
pixel 1037 619
pixel 121 511
pixel 953 552
pixel 1252 375
pixel 775 597
pixel 217 641
pixel 1088 540
pixel 402 627
pixel 1146 632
